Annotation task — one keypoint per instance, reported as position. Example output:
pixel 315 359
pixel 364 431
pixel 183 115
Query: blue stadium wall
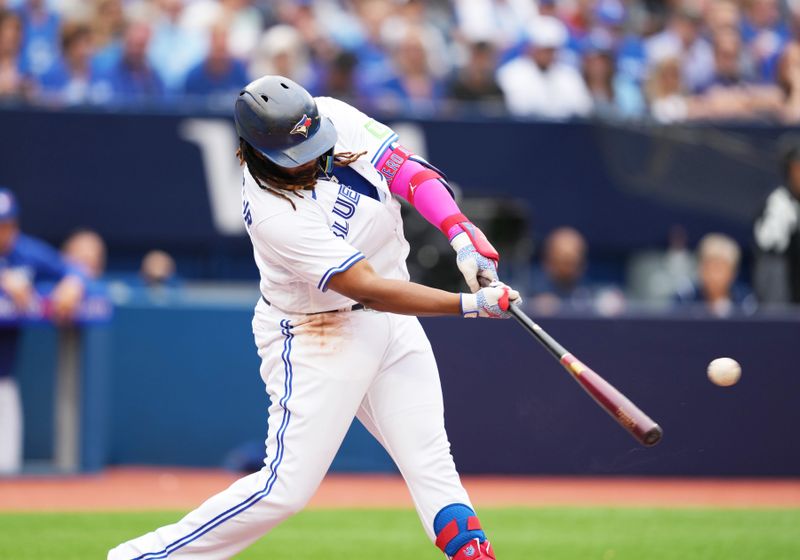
pixel 183 388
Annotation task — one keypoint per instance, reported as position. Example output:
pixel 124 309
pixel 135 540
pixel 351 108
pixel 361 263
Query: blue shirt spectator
pixel 132 78
pixel 174 50
pixel 219 73
pixel 40 37
pixel 72 79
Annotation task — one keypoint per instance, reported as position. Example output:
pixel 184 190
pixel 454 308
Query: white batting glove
pixel 493 301
pixel 478 268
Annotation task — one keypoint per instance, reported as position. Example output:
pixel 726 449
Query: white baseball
pixel 724 372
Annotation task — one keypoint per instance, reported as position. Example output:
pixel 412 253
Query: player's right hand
pixel 493 301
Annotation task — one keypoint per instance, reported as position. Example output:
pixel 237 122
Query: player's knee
pixel 455 526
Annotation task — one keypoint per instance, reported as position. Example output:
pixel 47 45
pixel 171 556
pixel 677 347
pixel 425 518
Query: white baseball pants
pixel 10 427
pixel 321 371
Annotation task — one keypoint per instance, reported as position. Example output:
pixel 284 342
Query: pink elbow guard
pixel 425 188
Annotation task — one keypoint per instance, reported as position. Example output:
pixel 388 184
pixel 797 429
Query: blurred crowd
pixel 669 60
pixel 709 280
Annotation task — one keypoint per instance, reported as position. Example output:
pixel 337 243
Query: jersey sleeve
pixel 47 263
pixel 357 132
pixel 302 242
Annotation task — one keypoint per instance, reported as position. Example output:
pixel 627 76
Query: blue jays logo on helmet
pixel 469 551
pixel 302 126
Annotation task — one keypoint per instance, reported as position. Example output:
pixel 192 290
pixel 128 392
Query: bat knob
pixel 653 436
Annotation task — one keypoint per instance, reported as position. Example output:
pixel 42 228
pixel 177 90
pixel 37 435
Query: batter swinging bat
pixel 627 414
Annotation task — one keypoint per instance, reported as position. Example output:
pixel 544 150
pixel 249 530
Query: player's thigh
pixel 317 370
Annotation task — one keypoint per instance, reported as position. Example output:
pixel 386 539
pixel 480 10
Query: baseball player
pixel 25 261
pixel 336 327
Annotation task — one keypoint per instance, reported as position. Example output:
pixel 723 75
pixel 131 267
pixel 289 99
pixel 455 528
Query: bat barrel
pixel 627 414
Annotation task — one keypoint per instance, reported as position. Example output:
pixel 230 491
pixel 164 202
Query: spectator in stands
pixel 665 91
pixel 502 22
pixel 13 84
pixel 682 39
pixel 86 251
pixel 413 87
pixel 25 261
pixel 764 32
pixel 717 267
pixel 243 20
pixel 777 235
pixel 132 78
pixel 537 83
pixel 730 69
pixel 723 15
pixel 339 78
pixel 475 81
pixel 789 83
pixel 40 32
pixel 174 49
pixel 71 79
pixel 219 74
pixel 281 52
pixel 158 269
pixel 108 31
pixel 561 281
pixel 613 95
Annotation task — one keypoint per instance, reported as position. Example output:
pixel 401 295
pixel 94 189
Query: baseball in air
pixel 724 372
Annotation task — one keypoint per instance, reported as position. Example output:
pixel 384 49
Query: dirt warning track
pixel 154 488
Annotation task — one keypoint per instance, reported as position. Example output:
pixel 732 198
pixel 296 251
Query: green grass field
pixel 518 534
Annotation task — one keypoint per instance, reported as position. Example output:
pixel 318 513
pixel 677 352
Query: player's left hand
pixel 476 258
pixel 66 298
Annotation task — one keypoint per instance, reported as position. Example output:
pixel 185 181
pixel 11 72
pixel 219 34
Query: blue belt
pixel 356 307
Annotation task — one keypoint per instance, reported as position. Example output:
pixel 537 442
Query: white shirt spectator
pixel 558 92
pixel 538 83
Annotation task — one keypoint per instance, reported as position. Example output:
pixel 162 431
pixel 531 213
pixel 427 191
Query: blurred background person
pixel 764 32
pixel 108 30
pixel 339 78
pixel 158 269
pixel 474 82
pixel 219 74
pixel 730 66
pixel 281 51
pixel 666 94
pixel 72 78
pixel 132 78
pixel 243 20
pixel 13 84
pixel 413 85
pixel 86 250
pixel 24 262
pixel 40 32
pixel 788 79
pixel 174 49
pixel 777 235
pixel 682 39
pixel 537 83
pixel 561 277
pixel 613 95
pixel 718 259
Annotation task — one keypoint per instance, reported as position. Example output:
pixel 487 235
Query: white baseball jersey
pixel 299 250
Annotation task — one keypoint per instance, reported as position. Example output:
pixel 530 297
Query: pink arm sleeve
pixel 426 192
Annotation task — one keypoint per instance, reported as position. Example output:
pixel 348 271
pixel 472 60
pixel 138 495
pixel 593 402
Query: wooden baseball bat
pixel 621 409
